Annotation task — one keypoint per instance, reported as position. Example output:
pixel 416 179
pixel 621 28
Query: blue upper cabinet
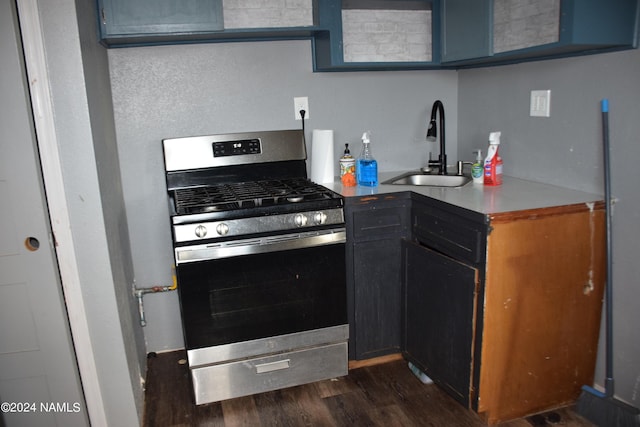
pixel 146 22
pixel 503 31
pixel 137 21
pixel 376 35
pixel 465 29
pixel 360 35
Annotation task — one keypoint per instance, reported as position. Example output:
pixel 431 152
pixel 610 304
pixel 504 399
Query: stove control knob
pixel 222 229
pixel 300 220
pixel 319 218
pixel 201 231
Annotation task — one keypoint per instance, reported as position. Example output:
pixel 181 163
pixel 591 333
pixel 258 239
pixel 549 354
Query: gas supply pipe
pixel 140 292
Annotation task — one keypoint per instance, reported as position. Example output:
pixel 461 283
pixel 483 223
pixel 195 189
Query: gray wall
pixel 172 91
pixel 84 125
pixel 566 149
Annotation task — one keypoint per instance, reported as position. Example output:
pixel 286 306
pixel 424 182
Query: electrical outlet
pixel 301 103
pixel 540 105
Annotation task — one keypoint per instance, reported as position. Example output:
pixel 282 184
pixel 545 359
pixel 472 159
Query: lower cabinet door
pixel 439 312
pixel 378 296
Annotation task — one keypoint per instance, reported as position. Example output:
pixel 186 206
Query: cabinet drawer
pixel 450 234
pixel 379 221
pixel 250 376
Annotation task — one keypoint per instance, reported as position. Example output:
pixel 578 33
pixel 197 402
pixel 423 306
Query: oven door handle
pixel 259 245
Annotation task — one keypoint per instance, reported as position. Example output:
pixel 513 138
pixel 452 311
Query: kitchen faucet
pixel 432 132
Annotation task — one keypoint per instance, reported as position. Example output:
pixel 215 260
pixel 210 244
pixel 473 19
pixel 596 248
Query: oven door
pixel 262 288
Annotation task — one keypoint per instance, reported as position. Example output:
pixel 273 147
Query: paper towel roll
pixel 322 160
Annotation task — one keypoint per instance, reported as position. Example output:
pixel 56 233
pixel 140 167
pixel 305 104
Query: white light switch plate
pixel 540 103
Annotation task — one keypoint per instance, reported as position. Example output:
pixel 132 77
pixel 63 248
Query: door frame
pixel 42 107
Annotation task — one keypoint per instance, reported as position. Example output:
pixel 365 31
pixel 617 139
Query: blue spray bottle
pixel 366 166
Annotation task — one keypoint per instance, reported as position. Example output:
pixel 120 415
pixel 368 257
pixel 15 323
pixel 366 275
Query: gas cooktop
pixel 244 195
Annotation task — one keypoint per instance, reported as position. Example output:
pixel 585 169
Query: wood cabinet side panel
pixel 543 302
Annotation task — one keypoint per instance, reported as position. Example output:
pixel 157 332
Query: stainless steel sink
pixel 418 178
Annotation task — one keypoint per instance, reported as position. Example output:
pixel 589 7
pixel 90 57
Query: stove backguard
pixel 202 152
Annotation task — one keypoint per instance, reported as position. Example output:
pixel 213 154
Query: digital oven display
pixel 236 148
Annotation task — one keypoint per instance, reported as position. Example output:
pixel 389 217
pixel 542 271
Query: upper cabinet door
pixel 155 17
pixel 521 24
pixel 376 35
pixel 503 31
pixel 154 22
pixel 466 29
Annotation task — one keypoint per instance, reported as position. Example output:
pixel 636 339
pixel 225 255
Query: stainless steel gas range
pixel 260 263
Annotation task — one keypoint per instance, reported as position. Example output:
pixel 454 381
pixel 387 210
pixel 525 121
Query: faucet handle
pixel 430 163
pixel 461 164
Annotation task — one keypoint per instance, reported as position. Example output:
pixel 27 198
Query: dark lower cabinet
pixel 495 308
pixel 439 317
pixel 376 226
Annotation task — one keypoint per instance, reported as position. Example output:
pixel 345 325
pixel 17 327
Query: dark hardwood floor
pixel 385 394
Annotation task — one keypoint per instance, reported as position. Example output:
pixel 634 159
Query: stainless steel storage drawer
pixel 249 376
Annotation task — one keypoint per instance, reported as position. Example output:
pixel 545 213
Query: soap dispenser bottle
pixel 366 166
pixel 348 168
pixel 493 162
pixel 347 162
pixel 477 169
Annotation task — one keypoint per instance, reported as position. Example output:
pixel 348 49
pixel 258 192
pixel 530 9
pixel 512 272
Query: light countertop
pixel 514 194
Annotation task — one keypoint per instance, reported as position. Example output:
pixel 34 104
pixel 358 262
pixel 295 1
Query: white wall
pixel 84 126
pixel 172 91
pixel 566 150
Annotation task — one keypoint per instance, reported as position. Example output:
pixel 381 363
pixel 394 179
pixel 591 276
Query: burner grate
pixel 224 197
